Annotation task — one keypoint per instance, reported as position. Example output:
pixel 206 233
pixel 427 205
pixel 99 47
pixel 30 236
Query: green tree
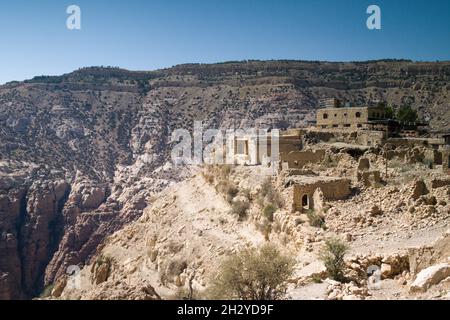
pixel 406 114
pixel 253 274
pixel 390 113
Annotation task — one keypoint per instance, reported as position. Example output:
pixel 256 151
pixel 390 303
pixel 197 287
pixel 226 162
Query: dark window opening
pixel 305 201
pixel 358 114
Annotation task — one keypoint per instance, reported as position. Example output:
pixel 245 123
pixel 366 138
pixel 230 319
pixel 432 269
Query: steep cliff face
pixel 10 263
pixel 31 224
pixel 82 154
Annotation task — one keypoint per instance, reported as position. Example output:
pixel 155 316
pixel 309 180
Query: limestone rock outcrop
pixel 430 276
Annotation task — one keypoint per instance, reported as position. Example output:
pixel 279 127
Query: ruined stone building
pixel 256 149
pixel 308 192
pixel 445 151
pixel 446 160
pixel 351 118
pixel 334 115
pixel 298 159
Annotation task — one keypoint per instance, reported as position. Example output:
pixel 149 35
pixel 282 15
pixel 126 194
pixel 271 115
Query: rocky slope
pixel 179 241
pixel 83 153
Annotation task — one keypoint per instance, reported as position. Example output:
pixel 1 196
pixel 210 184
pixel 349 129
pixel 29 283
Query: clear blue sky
pixel 151 34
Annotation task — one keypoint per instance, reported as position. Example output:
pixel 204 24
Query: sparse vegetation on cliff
pixel 253 274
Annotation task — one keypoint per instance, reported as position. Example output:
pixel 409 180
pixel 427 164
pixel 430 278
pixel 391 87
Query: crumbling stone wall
pixel 423 257
pixel 371 138
pixel 361 137
pixel 446 160
pixel 297 159
pixel 331 188
pixel 371 178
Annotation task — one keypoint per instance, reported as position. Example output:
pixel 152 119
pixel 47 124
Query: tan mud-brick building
pixel 302 190
pixel 351 118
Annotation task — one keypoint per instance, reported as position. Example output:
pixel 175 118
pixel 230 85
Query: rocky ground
pixel 179 241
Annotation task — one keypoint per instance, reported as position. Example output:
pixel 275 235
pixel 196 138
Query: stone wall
pixel 297 159
pixel 332 189
pixel 446 160
pixel 423 257
pixel 370 138
pixel 362 137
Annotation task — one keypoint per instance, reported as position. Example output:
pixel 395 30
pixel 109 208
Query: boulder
pixel 59 287
pixel 419 189
pixel 363 164
pixel 430 276
pixel 386 270
pixel 438 183
pixel 375 211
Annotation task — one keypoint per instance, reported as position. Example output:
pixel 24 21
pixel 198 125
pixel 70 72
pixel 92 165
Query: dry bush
pixel 217 172
pixel 171 269
pixel 228 189
pixel 269 210
pixel 268 194
pixel 240 208
pixel 332 255
pixel 253 274
pixel 315 219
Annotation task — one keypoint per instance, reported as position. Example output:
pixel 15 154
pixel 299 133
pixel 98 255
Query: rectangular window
pixel 242 147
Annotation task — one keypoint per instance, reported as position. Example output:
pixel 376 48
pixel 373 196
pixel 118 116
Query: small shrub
pixel 315 220
pixel 103 259
pixel 330 161
pixel 253 274
pixel 332 255
pixel 246 193
pixel 239 208
pixel 428 163
pixel 184 293
pixel 225 170
pixel 269 210
pixel 209 178
pixel 228 189
pixel 47 292
pixel 267 230
pixel 316 278
pixel 270 194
